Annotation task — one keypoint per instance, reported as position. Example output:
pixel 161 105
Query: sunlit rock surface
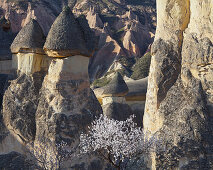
pixel 179 97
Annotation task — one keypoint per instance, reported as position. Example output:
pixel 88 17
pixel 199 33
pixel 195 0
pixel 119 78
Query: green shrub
pixel 127 62
pixel 141 67
pixel 101 82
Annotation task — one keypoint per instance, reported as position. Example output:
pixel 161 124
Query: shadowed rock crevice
pixel 168 65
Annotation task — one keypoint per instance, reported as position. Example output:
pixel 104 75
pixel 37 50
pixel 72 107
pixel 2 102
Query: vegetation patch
pixel 141 67
pixel 101 82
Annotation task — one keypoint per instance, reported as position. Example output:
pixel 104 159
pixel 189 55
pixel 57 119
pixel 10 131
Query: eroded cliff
pixel 179 98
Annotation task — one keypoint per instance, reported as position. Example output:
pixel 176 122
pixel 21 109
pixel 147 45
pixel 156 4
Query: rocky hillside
pixel 179 102
pixel 124 28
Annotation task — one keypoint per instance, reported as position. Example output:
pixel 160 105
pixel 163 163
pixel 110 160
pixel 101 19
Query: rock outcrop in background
pixel 179 98
pixel 124 29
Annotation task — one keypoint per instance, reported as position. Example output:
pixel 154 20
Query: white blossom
pixel 114 140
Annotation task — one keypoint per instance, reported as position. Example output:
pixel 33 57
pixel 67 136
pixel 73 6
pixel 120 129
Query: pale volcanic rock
pixel 30 38
pixel 202 15
pixel 67 104
pixel 130 44
pixel 173 18
pixel 121 106
pixel 45 16
pixel 27 49
pixel 29 66
pixel 94 19
pixel 20 15
pixel 109 51
pixel 115 67
pixel 113 98
pixel 179 101
pixel 137 37
pixel 137 89
pixel 117 87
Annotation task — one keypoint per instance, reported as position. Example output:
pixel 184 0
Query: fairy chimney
pixel 67 103
pixel 65 37
pixel 27 49
pixel 113 98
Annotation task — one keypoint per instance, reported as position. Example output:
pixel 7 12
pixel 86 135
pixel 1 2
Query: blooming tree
pixel 115 141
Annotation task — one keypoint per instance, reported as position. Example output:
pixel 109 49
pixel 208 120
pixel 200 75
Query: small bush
pixel 127 62
pixel 141 68
pixel 101 82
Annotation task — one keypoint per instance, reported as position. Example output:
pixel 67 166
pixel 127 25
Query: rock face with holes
pixel 179 98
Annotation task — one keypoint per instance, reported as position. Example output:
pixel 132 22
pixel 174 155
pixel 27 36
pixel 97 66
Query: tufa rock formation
pixel 130 44
pixel 22 93
pixel 62 41
pixel 67 105
pixel 48 99
pixel 179 103
pixel 114 103
pixel 19 13
pixel 94 19
pixel 27 49
pixel 116 88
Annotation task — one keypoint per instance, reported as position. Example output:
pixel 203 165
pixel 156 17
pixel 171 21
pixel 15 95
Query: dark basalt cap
pixel 30 38
pixel 65 37
pixel 117 87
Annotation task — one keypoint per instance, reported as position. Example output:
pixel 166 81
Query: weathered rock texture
pixel 131 25
pixel 67 105
pixel 27 49
pixel 113 97
pixel 48 100
pixel 179 98
pixel 21 96
pixel 65 37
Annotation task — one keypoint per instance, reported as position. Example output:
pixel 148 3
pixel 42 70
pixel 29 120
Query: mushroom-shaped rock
pixel 30 38
pixel 116 88
pixel 65 37
pixel 31 63
pixel 114 103
pixel 27 49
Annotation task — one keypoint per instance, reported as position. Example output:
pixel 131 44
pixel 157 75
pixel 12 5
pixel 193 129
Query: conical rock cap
pixel 65 37
pixel 31 37
pixel 117 87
